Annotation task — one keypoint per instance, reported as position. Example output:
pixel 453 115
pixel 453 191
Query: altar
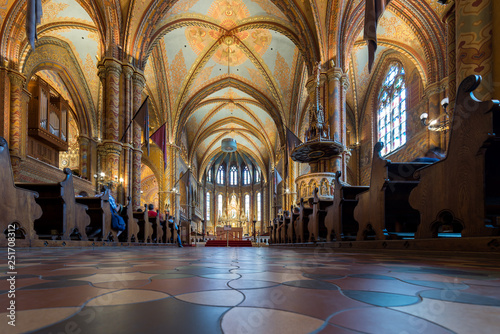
pixel 235 233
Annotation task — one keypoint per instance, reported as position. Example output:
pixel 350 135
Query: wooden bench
pixel 63 218
pixel 316 226
pixel 461 193
pixel 17 205
pixel 286 229
pixel 145 230
pixel 300 226
pixel 132 228
pixel 384 207
pixel 99 211
pixel 291 237
pixel 156 229
pixel 339 220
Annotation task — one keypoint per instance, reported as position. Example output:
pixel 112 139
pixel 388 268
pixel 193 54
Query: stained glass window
pixel 219 204
pixel 259 207
pixel 220 175
pixel 209 175
pixel 208 205
pixel 247 205
pixel 233 176
pixel 391 116
pixel 257 176
pixel 246 176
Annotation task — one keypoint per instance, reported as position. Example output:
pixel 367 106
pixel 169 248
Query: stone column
pixel 496 50
pixel 17 109
pixel 85 156
pixel 138 84
pixel 346 155
pixel 450 22
pixel 127 103
pixel 474 42
pixel 337 84
pixel 4 101
pixel 111 143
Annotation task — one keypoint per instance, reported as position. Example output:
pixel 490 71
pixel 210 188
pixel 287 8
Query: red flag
pixel 373 11
pixel 142 118
pixel 159 137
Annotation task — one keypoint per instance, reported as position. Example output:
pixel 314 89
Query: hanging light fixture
pixel 229 145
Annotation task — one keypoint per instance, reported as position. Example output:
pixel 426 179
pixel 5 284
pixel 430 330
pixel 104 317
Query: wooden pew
pixel 156 230
pixel 145 230
pixel 339 219
pixel 169 226
pixel 132 228
pixel 316 226
pixel 291 237
pixel 300 226
pixel 286 228
pixel 99 211
pixel 62 217
pixel 17 205
pixel 462 191
pixel 384 208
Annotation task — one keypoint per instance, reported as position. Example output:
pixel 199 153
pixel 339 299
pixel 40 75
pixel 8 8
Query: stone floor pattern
pixel 249 290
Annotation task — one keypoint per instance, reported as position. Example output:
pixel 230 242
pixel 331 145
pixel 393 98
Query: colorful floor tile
pixel 249 290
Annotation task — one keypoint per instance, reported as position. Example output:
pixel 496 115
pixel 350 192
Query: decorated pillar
pixel 337 86
pixel 85 156
pixel 110 72
pixel 18 107
pixel 496 49
pixel 451 70
pixel 474 43
pixel 4 101
pixel 346 154
pixel 138 84
pixel 127 103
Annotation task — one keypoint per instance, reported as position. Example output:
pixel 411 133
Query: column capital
pixel 128 70
pixel 335 73
pixel 112 146
pixel 344 81
pixel 139 79
pixel 16 78
pixel 311 82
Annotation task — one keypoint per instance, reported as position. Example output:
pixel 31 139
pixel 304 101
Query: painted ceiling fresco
pixel 212 48
pixel 217 68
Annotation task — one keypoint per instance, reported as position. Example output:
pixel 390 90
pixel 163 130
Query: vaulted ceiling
pixel 218 68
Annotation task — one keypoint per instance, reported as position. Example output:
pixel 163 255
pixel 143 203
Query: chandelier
pixel 229 145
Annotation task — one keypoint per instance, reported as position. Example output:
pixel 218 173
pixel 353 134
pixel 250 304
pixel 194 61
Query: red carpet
pixel 232 243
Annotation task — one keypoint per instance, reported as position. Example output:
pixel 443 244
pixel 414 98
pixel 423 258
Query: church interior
pixel 341 157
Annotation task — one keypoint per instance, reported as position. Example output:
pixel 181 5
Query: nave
pixel 252 290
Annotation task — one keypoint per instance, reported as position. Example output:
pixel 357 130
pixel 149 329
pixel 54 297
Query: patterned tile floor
pixel 249 290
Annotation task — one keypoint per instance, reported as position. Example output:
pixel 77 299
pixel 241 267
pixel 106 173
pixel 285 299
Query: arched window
pixel 259 207
pixel 209 175
pixel 220 175
pixel 246 176
pixel 219 204
pixel 391 115
pixel 233 176
pixel 257 176
pixel 247 206
pixel 208 205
